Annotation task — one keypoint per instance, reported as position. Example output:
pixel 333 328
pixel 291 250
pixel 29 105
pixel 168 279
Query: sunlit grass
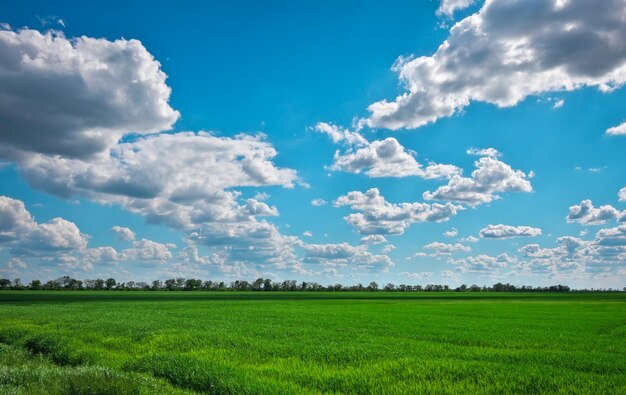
pixel 312 343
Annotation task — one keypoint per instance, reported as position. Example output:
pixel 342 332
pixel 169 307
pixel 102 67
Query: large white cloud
pixel 182 179
pixel 380 158
pixel 24 236
pixel 501 231
pixel 377 216
pixel 509 50
pixel 585 213
pixel 60 241
pixel 77 97
pixel 491 177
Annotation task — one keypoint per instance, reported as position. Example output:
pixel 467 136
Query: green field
pixel 240 342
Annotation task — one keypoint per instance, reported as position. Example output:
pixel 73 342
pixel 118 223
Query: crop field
pixel 294 343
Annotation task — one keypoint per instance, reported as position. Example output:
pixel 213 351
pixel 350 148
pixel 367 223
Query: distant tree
pixel 98 285
pixel 5 283
pixel 52 285
pixel 17 284
pixel 192 284
pixel 73 284
pixel 267 284
pixel 389 287
pixel 373 286
pixel 170 284
pixel 207 285
pixel 257 285
pixel 156 285
pixel 110 283
pixel 180 282
pixel 35 285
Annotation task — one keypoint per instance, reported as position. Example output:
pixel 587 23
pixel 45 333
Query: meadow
pixel 307 342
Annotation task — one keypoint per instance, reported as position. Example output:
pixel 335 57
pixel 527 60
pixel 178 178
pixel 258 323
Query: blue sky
pixel 145 142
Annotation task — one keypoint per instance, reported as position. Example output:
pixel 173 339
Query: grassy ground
pixel 176 342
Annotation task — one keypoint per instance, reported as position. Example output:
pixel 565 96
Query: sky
pixel 410 142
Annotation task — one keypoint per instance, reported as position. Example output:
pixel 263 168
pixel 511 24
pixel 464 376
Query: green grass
pixel 227 342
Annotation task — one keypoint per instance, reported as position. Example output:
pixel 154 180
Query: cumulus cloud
pixel 585 213
pixel 449 7
pixel 440 248
pixel 183 179
pixel 490 178
pixel 376 216
pixel 451 233
pixel 501 231
pixel 77 97
pixel 123 233
pixel 619 130
pixel 24 236
pixel 344 255
pixel 483 263
pixel 307 233
pixel 373 239
pixel 146 250
pixel 507 51
pixel 388 248
pixel 380 158
pixel 621 195
pixel 470 239
pixel 318 202
pixel 340 135
pixel 60 242
pixel 566 258
pixel 416 275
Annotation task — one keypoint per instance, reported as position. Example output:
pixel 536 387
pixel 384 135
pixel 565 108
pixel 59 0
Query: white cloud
pixel 318 202
pixel 77 97
pixel 558 104
pixel 501 231
pixel 416 275
pixel 484 263
pixel 490 178
pixel 340 135
pixel 585 213
pixel 380 158
pixel 451 233
pixel 509 50
pixel 417 255
pixel 449 275
pixel 491 152
pixel 621 195
pixel 24 236
pixel 448 7
pixel 377 216
pixel 619 130
pixel 387 158
pixel 182 179
pixel 344 255
pixel 470 239
pixel 440 248
pixel 373 239
pixel 388 248
pixel 146 250
pixel 124 234
pixel 307 233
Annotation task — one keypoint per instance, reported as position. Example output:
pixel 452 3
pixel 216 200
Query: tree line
pixel 261 284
